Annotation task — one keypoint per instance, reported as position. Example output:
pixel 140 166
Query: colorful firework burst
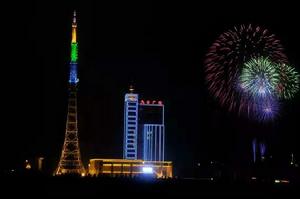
pixel 259 77
pixel 266 109
pixel 227 55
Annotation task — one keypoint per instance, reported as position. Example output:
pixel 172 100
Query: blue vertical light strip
pixel 159 144
pixel 262 148
pixel 163 143
pixel 136 124
pixel 145 143
pixel 125 131
pixel 153 142
pixel 254 150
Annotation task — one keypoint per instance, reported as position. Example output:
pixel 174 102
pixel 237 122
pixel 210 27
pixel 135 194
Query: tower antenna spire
pixel 131 88
pixel 74 17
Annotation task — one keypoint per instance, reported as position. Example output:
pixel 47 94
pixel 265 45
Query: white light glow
pixel 147 170
pixel 277 181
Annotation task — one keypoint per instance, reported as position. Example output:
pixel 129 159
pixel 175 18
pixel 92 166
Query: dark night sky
pixel 159 47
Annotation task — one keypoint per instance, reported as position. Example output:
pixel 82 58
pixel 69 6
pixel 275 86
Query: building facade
pixel 152 130
pixel 133 168
pixel 131 104
pixel 144 129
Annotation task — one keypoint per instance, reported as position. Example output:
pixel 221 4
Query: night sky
pixel 159 48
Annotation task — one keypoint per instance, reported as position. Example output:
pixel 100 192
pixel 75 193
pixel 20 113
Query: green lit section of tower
pixel 74 52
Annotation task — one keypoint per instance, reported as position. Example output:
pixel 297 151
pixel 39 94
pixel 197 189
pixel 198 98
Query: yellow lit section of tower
pixel 74 35
pixel 74 27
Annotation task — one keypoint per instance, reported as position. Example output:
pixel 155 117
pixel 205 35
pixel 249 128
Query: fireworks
pixel 248 72
pixel 267 108
pixel 289 81
pixel 265 83
pixel 259 77
pixel 228 54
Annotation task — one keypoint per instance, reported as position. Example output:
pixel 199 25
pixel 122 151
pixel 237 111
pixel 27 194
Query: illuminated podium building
pixel 123 167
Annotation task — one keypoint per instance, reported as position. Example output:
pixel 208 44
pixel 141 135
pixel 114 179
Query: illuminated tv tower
pixel 70 160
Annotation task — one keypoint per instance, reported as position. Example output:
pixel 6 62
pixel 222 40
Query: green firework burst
pixel 259 77
pixel 289 81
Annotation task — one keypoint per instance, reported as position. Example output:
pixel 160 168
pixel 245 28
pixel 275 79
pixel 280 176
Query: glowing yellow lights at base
pixel 281 181
pixel 159 169
pixel 27 165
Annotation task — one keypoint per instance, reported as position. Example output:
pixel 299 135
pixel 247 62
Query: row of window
pixel 131 113
pixel 130 137
pixel 131 155
pixel 132 103
pixel 132 108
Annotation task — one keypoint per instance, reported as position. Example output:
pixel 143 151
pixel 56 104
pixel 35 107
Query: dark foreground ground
pixel 70 187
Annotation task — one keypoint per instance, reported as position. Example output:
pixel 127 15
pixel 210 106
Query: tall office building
pixel 131 104
pixel 144 129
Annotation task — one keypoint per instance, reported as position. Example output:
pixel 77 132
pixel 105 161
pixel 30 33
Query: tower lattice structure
pixel 70 161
